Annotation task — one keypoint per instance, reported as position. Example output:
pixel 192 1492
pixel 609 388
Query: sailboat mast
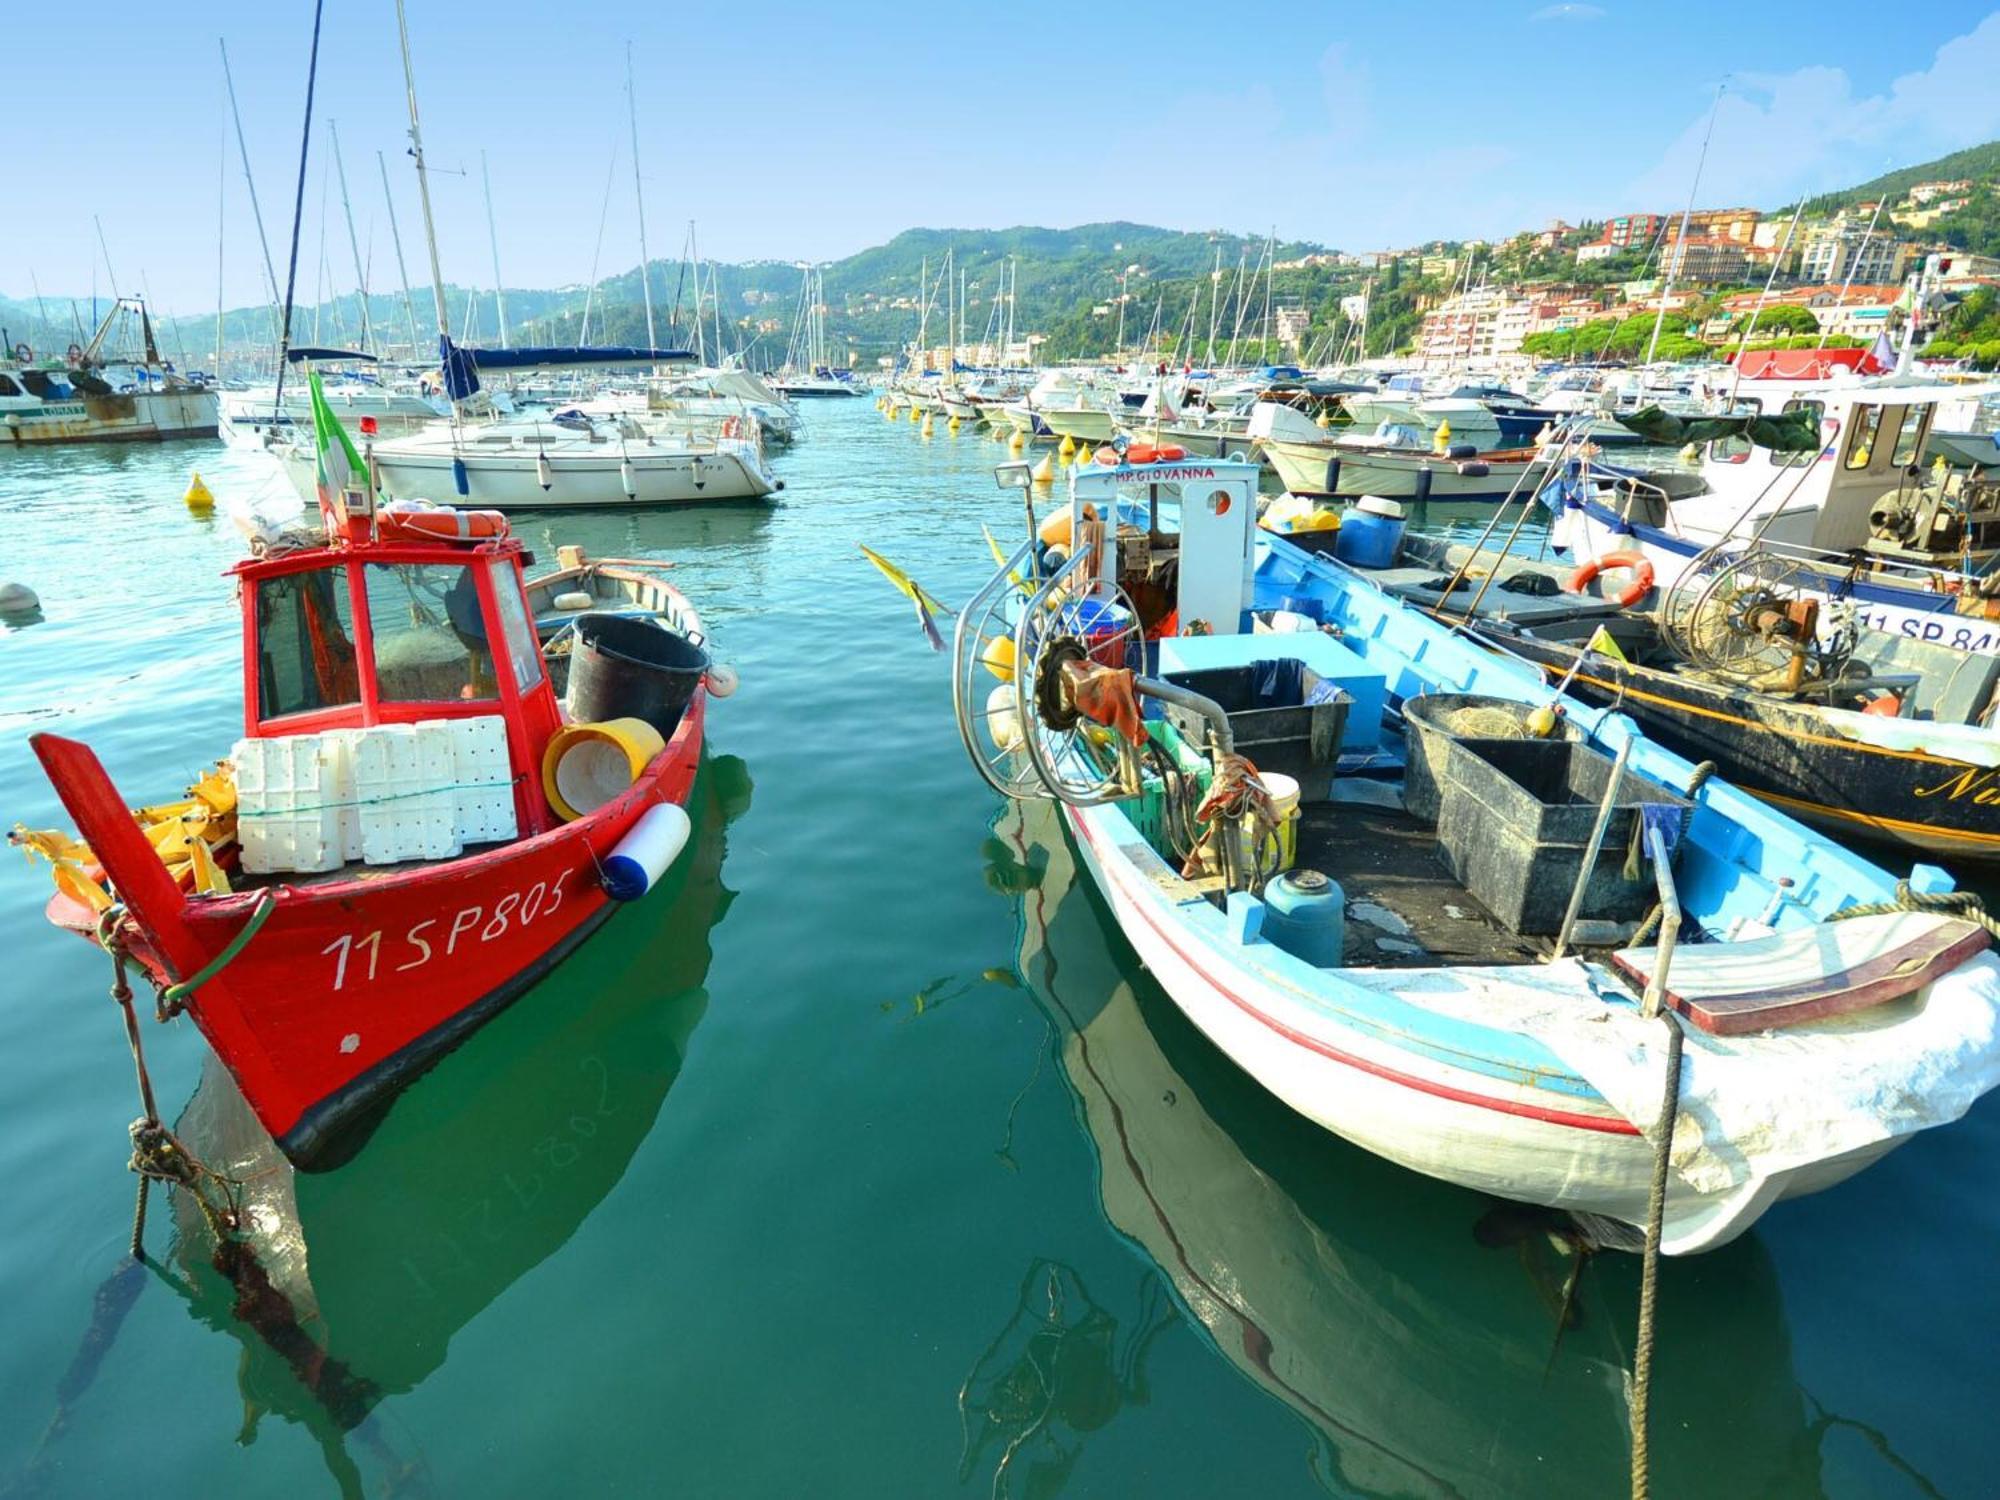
pixel 493 238
pixel 353 243
pixel 639 193
pixel 270 270
pixel 221 224
pixel 700 335
pixel 1667 285
pixel 424 190
pixel 1270 274
pixel 604 213
pixel 402 271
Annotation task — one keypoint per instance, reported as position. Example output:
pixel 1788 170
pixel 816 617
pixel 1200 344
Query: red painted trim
pixel 1600 1123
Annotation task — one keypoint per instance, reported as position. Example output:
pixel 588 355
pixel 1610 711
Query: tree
pixel 1786 317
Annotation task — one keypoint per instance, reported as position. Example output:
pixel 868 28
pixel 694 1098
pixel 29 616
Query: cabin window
pixel 1804 456
pixel 523 649
pixel 1861 441
pixel 7 386
pixel 1735 448
pixel 430 637
pixel 1909 436
pixel 305 644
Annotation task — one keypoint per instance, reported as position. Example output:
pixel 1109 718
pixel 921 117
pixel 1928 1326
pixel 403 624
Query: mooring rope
pixel 1649 1273
pixel 1966 904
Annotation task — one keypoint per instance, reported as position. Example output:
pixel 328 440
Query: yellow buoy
pixel 1045 471
pixel 998 657
pixel 952 425
pixel 198 498
pixel 1066 450
pixel 1443 440
pixel 926 428
pixel 1017 441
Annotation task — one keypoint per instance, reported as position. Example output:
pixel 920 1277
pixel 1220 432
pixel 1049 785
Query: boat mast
pixel 221 220
pixel 639 193
pixel 700 336
pixel 424 198
pixel 298 208
pixel 1013 296
pixel 493 238
pixel 1214 304
pixel 610 174
pixel 409 304
pixel 1667 285
pixel 1270 275
pixel 270 270
pixel 353 244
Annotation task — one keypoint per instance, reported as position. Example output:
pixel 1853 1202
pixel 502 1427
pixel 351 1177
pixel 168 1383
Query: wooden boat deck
pixel 1404 909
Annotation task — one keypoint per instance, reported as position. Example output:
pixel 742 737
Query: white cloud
pixel 1569 12
pixel 1781 134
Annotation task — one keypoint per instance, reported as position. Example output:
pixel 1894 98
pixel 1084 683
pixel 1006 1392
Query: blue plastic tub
pixel 1368 541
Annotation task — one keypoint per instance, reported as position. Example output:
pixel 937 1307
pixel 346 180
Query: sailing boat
pixel 808 372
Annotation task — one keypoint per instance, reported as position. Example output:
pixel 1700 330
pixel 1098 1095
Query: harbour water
pixel 865 1160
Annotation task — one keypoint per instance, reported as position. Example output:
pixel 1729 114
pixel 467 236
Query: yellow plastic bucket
pixel 1283 840
pixel 588 765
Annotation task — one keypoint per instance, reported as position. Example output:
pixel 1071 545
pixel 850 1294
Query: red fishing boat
pixel 326 982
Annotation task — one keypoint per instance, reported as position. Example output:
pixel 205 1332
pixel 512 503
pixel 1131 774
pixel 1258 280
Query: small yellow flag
pixel 1604 645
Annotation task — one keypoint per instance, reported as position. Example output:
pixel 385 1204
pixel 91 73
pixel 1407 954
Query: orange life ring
pixel 1155 453
pixel 402 521
pixel 1642 576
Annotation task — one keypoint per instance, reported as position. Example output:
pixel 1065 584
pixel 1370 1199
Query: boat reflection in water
pixel 480 1172
pixel 1412 1325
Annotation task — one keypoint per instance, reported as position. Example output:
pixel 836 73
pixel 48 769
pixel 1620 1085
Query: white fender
pixel 646 853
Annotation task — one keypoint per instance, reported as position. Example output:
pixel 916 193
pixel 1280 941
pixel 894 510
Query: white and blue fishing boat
pixel 1849 513
pixel 1431 933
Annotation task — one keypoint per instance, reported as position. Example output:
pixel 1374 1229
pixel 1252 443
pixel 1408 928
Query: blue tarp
pixel 461 366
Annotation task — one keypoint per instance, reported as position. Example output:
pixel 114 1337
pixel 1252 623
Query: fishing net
pixel 1482 722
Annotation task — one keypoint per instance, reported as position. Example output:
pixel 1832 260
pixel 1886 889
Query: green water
pixel 865 1161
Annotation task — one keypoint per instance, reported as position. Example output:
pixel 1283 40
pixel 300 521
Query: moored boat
pixel 1423 1015
pixel 402 842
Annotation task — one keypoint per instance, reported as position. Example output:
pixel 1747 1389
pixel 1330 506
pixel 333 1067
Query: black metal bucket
pixel 626 668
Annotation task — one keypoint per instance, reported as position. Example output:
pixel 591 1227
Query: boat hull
pixel 512 481
pixel 1331 470
pixel 1083 424
pixel 137 417
pixel 1523 1139
pixel 1790 757
pixel 351 988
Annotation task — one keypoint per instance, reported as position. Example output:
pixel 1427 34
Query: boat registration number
pixel 435 936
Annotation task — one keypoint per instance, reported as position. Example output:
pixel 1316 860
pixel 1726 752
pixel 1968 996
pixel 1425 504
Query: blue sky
pixel 795 130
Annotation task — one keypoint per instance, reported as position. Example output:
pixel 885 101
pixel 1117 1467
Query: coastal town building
pixel 1738 224
pixel 1846 251
pixel 1633 231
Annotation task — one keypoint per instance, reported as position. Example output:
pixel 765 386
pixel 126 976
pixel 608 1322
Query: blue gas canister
pixel 1305 913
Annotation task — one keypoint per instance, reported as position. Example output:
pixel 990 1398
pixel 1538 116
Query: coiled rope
pixel 1964 904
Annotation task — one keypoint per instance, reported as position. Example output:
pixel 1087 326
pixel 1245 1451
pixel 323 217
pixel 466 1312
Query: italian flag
pixel 339 473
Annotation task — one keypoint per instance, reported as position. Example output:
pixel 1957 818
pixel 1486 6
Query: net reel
pixel 1756 618
pixel 1077 758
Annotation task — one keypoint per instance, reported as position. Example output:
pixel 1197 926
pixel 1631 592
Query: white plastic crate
pixel 289 792
pixel 482 778
pixel 401 779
